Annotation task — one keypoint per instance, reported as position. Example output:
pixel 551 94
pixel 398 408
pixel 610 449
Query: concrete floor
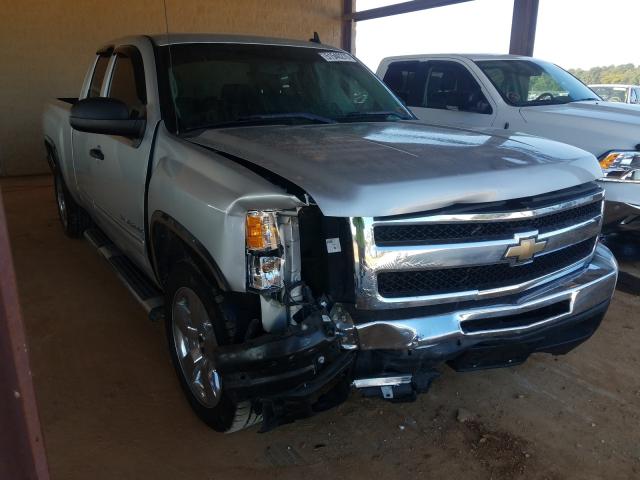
pixel 111 406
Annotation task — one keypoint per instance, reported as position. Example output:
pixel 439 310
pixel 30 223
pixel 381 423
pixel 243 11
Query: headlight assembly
pixel 621 165
pixel 265 262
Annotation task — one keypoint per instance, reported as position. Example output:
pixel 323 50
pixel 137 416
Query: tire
pixel 73 218
pixel 195 324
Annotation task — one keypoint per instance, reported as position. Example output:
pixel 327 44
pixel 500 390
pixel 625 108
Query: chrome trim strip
pixel 381 381
pixel 618 180
pixel 494 217
pixel 586 290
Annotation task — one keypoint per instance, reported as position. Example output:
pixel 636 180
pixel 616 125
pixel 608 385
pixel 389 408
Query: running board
pixel 147 294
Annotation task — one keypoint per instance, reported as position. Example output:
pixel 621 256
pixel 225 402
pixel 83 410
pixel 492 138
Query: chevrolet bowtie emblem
pixel 525 249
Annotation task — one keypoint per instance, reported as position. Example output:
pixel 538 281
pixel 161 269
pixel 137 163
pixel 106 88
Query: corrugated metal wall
pixel 46 47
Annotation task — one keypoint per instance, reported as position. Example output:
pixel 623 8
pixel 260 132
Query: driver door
pixel 120 164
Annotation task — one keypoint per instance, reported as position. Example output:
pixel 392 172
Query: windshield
pixel 221 85
pixel 524 83
pixel 611 94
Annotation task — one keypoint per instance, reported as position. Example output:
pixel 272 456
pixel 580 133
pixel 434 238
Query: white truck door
pixel 121 164
pixel 441 91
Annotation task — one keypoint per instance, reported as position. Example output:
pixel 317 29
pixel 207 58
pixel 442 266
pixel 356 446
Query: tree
pixel 626 74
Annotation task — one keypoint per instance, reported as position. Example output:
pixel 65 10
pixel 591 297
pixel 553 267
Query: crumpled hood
pixel 390 168
pixel 597 127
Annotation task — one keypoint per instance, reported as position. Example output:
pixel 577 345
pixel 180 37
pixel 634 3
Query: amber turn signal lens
pixel 255 240
pixel 261 231
pixel 609 160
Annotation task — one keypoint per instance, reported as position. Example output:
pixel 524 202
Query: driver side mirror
pixel 107 116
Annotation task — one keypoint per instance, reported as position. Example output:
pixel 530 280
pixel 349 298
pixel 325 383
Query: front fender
pixel 209 196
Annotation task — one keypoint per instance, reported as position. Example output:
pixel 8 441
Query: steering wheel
pixel 544 96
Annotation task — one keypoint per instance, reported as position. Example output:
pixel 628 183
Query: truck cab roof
pixel 163 39
pixel 461 56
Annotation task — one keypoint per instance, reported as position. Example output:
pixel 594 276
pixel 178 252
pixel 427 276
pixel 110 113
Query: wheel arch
pixel 170 241
pixel 52 154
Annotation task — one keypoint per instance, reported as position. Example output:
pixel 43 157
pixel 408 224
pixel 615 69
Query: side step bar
pixel 149 296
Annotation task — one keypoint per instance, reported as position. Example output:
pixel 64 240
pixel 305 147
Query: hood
pixel 391 168
pixel 597 127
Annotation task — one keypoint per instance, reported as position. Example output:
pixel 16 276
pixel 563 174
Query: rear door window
pixel 97 79
pixel 450 86
pixel 407 80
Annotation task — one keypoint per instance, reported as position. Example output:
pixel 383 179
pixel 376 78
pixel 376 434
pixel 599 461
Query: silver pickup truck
pixel 302 233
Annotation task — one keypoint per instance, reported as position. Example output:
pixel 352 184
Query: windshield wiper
pixel 586 99
pixel 262 119
pixel 283 116
pixel 384 114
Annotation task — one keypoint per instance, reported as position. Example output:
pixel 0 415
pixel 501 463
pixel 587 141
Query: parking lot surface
pixel 111 406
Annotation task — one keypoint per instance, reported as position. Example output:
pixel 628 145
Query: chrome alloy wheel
pixel 194 338
pixel 62 204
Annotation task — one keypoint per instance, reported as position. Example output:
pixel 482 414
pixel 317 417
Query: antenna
pixel 170 73
pixel 316 38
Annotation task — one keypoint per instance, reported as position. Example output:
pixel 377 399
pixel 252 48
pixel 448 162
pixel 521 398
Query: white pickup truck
pixel 522 94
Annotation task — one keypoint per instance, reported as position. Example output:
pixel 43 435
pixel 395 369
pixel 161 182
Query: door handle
pixel 96 153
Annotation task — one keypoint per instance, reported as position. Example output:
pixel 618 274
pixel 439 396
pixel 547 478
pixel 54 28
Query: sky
pixel 570 33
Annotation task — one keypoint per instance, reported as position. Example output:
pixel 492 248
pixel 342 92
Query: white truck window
pixel 523 83
pixel 450 86
pixel 407 80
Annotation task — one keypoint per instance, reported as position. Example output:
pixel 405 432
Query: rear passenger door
pixel 441 91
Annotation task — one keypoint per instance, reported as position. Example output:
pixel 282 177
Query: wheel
pixel 195 326
pixel 73 218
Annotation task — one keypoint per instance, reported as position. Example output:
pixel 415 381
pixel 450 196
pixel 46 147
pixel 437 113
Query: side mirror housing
pixel 105 115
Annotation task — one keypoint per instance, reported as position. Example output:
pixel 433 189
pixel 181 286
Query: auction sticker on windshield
pixel 337 57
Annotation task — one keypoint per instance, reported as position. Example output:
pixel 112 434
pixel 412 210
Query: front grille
pixel 388 235
pixel 484 277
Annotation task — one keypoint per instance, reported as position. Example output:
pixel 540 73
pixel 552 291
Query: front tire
pixel 195 325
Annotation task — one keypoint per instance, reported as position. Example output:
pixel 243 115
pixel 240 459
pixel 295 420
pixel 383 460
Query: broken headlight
pixel 621 165
pixel 265 263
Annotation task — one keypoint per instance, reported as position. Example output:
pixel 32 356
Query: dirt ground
pixel 111 407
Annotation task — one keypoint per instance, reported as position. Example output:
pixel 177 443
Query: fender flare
pixel 190 242
pixel 52 153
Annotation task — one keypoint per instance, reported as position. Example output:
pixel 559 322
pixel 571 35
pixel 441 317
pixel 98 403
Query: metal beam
pixel 21 446
pixel 523 27
pixel 397 9
pixel 347 26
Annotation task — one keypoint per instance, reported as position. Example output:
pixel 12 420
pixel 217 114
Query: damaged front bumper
pixel 498 318
pixel 288 376
pixel 395 354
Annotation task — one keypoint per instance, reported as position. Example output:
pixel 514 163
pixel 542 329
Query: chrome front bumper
pixel 580 292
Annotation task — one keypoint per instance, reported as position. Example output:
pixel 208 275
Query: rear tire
pixel 73 218
pixel 194 324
